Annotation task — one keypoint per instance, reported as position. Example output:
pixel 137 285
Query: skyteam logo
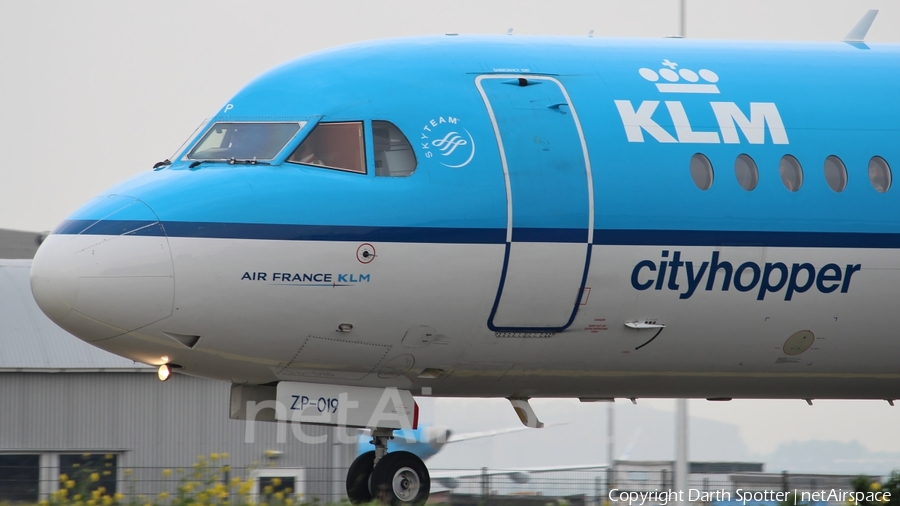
pixel 763 116
pixel 446 140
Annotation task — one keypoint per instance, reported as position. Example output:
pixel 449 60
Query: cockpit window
pixel 244 141
pixel 393 154
pixel 335 146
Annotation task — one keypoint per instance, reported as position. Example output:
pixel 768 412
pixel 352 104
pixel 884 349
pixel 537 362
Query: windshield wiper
pixel 230 161
pixel 252 161
pixel 159 165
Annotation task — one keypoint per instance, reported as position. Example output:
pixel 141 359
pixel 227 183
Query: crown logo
pixel 690 80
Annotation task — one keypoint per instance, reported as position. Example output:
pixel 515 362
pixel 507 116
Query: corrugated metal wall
pixel 154 425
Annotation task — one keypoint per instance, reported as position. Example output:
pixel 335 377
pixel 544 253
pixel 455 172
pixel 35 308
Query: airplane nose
pixel 100 278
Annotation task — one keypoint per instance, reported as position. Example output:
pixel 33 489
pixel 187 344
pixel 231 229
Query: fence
pixel 463 487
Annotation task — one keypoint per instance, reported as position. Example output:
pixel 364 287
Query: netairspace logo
pixel 686 277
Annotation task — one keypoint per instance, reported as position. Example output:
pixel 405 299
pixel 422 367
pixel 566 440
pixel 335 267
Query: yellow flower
pixel 167 472
pixel 107 500
pixel 86 455
pixel 95 476
pixel 235 481
pixel 119 496
pixel 64 477
pixel 95 494
pixel 70 484
pixel 107 473
pixel 288 502
pixel 276 482
pixel 163 496
pixel 213 456
pixel 102 490
pixel 226 468
pixel 267 490
pixel 875 486
pixel 44 503
pixel 108 456
pixel 92 502
pixel 63 492
pixel 128 472
pixel 279 496
pixel 76 465
pixel 76 497
pixel 225 455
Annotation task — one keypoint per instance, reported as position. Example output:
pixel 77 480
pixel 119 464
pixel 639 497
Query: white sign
pixel 347 406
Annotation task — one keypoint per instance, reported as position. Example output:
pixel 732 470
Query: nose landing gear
pixel 397 478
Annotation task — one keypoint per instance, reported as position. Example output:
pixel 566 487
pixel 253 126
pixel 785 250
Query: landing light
pixel 164 372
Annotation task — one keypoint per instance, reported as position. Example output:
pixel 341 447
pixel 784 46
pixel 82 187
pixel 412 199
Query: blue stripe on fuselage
pixel 276 232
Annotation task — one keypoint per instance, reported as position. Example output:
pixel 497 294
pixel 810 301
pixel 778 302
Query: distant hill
pixel 839 457
pixel 18 244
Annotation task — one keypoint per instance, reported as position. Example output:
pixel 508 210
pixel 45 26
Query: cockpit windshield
pixel 244 141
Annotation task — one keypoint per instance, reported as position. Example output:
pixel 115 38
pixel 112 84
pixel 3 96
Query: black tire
pixel 358 478
pixel 401 479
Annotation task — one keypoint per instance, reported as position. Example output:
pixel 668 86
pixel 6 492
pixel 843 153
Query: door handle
pixel 558 107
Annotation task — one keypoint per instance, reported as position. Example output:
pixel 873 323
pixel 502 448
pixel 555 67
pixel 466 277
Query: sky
pixel 94 92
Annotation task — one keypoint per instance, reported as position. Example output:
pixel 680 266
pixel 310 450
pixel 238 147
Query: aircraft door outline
pixel 525 303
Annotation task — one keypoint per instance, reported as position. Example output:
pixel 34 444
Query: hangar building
pixel 65 406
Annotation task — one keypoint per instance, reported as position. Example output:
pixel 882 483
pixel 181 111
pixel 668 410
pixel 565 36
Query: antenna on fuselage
pixel 858 33
pixel 682 20
pixel 509 32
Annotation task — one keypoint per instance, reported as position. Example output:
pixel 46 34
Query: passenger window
pixel 335 146
pixel 746 172
pixel 879 174
pixel 393 154
pixel 835 173
pixel 701 171
pixel 791 173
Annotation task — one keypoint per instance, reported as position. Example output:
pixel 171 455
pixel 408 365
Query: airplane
pixel 426 441
pixel 509 216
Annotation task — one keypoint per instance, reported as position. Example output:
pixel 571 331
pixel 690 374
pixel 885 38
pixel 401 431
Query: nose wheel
pixel 358 477
pixel 401 479
pixel 396 478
